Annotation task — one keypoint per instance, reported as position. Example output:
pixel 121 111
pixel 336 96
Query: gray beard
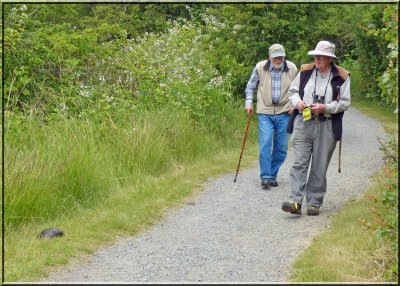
pixel 277 67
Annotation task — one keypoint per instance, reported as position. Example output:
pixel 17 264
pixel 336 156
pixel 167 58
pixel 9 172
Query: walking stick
pixel 244 143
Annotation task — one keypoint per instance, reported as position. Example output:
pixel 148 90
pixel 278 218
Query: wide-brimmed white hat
pixel 324 48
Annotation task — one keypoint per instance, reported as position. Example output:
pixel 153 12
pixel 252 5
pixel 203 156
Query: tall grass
pixel 52 169
pixel 98 181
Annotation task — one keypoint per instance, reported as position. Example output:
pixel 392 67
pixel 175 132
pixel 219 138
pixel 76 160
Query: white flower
pixel 84 93
pixel 63 107
pixel 216 81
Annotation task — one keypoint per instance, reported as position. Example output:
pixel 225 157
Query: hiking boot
pixel 313 210
pixel 265 183
pixel 293 208
pixel 272 182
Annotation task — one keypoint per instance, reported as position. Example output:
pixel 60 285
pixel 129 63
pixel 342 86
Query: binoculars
pixel 318 99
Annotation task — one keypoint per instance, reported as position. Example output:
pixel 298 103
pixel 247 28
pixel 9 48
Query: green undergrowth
pixel 97 182
pixel 353 248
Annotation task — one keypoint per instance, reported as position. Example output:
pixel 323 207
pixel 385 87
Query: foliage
pixel 55 72
pixel 385 208
pixel 100 96
pixel 239 36
pixel 388 81
pixel 81 84
pixel 389 199
pixel 370 44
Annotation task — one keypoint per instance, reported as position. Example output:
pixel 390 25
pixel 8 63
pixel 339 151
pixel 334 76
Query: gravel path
pixel 235 232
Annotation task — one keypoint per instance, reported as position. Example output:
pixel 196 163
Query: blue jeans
pixel 272 142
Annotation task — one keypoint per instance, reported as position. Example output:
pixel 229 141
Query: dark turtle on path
pixel 50 233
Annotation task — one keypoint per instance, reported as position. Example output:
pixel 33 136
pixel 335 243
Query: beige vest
pixel 264 91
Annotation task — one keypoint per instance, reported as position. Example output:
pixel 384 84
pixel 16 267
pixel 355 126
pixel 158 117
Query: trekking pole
pixel 340 153
pixel 244 143
pixel 340 142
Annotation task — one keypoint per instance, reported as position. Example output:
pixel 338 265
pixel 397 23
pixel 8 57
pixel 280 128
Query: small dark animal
pixel 50 233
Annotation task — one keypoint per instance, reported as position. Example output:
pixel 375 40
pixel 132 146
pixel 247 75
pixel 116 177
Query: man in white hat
pixel 320 94
pixel 272 79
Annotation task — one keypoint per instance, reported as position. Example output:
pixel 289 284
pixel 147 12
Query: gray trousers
pixel 312 142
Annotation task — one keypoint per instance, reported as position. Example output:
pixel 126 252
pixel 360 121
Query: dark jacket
pixel 339 75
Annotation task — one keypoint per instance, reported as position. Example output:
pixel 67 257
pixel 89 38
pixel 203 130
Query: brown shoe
pixel 313 210
pixel 265 183
pixel 293 208
pixel 273 182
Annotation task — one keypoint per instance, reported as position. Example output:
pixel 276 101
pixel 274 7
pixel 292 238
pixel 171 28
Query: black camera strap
pixel 315 83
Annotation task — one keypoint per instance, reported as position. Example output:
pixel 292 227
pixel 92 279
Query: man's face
pixel 322 62
pixel 277 61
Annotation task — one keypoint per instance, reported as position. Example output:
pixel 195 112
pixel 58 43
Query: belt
pixel 320 118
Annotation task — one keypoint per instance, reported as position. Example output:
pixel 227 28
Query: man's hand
pixel 301 105
pixel 318 108
pixel 249 110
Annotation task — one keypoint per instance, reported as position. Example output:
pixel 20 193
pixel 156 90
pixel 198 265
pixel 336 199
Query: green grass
pixel 385 115
pixel 96 182
pixel 349 251
pixel 353 248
